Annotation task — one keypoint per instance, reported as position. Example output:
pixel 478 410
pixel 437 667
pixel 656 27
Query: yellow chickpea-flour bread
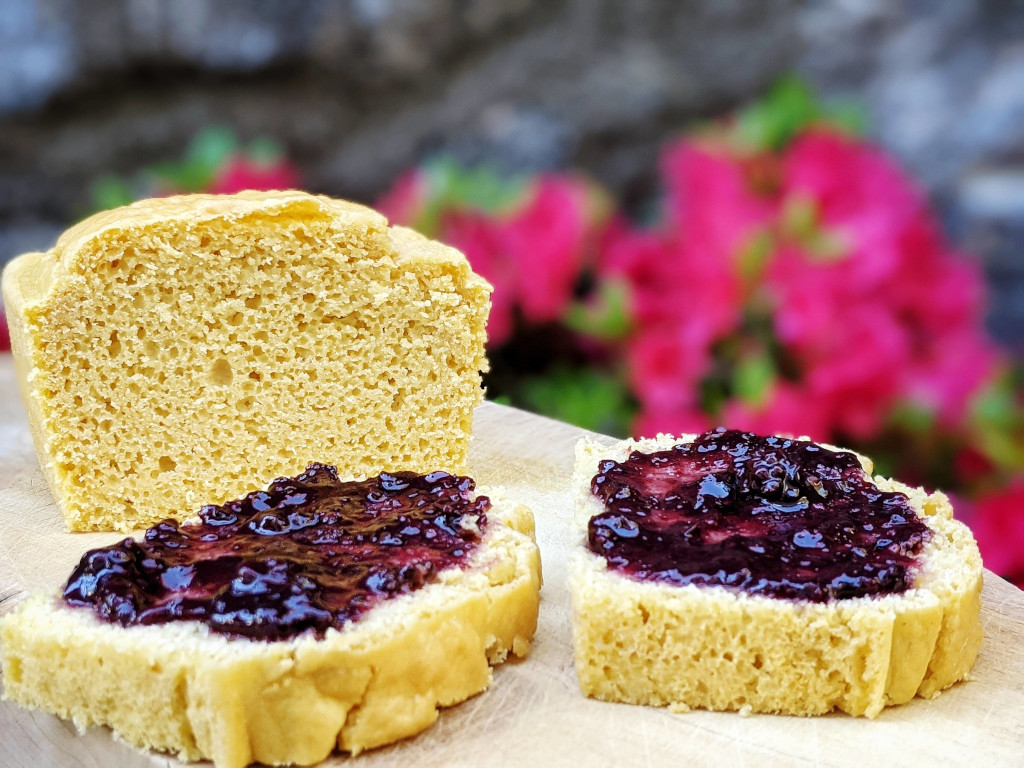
pixel 182 688
pixel 189 349
pixel 706 645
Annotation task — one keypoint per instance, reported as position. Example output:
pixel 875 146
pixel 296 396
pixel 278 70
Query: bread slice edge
pixel 710 647
pixel 179 688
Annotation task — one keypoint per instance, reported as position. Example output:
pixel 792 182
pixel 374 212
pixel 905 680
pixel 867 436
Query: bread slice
pixel 180 688
pixel 710 647
pixel 188 350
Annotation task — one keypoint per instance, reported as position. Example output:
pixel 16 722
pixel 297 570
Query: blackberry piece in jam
pixel 309 553
pixel 764 515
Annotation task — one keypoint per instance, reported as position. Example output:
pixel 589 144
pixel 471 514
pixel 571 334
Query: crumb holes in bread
pixel 220 372
pixel 13 671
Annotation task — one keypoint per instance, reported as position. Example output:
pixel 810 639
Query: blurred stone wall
pixel 357 90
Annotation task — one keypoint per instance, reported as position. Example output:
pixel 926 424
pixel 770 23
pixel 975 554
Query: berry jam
pixel 308 553
pixel 764 515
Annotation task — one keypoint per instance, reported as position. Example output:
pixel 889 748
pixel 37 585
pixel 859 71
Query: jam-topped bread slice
pixel 734 572
pixel 190 349
pixel 315 615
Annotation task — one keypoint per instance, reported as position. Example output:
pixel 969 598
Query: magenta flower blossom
pixel 786 410
pixel 794 281
pixel 829 249
pixel 480 238
pixel 666 366
pixel 544 244
pixel 998 526
pixel 883 309
pixel 240 173
pixel 711 200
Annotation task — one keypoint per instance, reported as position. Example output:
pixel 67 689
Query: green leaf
pixel 799 217
pixel 849 115
pixel 753 377
pixel 825 245
pixel 587 398
pixel 264 151
pixel 605 316
pixel 772 122
pixel 450 186
pixel 789 107
pixel 999 424
pixel 802 223
pixel 995 404
pixel 208 151
pixel 481 188
pixel 110 191
pixel 912 417
pixel 210 148
pixel 753 257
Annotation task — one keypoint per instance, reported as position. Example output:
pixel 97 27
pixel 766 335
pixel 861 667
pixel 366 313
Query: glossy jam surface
pixel 769 516
pixel 309 553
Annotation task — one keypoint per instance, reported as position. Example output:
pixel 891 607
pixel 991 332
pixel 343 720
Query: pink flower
pixel 544 240
pixel 953 358
pixel 877 322
pixel 860 195
pixel 675 282
pixel 683 301
pixel 686 290
pixel 404 202
pixel 851 348
pixel 788 410
pixel 479 237
pixel 666 365
pixel 5 333
pixel 998 525
pixel 712 200
pixel 650 264
pixel 240 173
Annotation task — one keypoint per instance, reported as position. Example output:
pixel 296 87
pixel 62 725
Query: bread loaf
pixel 189 349
pixel 720 648
pixel 181 688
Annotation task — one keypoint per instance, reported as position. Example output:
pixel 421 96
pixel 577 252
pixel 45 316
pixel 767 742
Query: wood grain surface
pixel 533 713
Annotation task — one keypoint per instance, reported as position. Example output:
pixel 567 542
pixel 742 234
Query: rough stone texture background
pixel 357 90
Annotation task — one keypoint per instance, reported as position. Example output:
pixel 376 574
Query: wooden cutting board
pixel 533 713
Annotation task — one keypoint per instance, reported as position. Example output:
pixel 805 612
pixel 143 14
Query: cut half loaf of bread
pixel 190 349
pixel 180 688
pixel 711 647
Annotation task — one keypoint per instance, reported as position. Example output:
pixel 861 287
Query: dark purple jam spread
pixel 308 553
pixel 765 515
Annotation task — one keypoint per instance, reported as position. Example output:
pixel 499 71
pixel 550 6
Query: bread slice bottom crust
pixel 179 688
pixel 713 648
